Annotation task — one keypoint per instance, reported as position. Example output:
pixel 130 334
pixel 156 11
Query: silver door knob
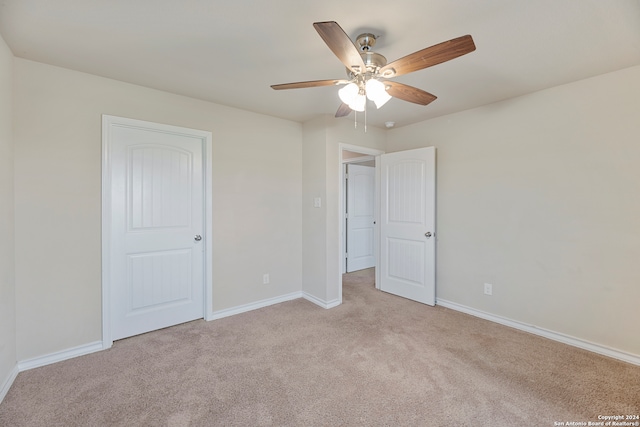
pixel 427 234
pixel 197 238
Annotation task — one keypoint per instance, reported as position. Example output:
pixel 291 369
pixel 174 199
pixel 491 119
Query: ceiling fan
pixel 365 69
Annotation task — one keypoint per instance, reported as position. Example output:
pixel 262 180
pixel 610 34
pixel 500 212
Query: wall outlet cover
pixel 488 289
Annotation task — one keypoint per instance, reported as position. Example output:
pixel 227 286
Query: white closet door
pixel 360 217
pixel 157 224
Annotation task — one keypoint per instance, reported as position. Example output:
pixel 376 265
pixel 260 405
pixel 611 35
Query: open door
pixel 407 229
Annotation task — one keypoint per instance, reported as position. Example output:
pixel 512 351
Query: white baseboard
pixel 321 303
pixel 59 356
pixel 8 382
pixel 556 336
pixel 252 306
pixel 271 301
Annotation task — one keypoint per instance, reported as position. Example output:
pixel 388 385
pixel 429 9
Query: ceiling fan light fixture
pixel 377 92
pixel 380 101
pixel 358 102
pixel 373 87
pixel 348 93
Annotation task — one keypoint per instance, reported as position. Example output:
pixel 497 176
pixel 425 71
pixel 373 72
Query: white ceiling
pixel 230 52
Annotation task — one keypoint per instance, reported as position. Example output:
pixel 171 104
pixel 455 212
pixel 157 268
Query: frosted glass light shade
pixel 382 99
pixel 377 92
pixel 374 87
pixel 348 93
pixel 358 103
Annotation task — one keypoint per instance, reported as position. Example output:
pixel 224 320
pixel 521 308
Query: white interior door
pixel 407 224
pixel 360 217
pixel 157 227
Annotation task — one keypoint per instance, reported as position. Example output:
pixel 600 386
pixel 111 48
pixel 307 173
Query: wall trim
pixel 546 333
pixel 321 303
pixel 8 382
pixel 219 314
pixel 59 356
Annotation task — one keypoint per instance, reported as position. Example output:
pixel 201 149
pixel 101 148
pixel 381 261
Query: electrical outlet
pixel 265 278
pixel 488 289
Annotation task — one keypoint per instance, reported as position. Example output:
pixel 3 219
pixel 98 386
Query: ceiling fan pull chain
pixel 365 117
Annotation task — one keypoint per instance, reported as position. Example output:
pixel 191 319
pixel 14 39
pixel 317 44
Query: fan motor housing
pixel 372 61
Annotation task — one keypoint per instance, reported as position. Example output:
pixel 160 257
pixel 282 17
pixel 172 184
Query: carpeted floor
pixel 376 360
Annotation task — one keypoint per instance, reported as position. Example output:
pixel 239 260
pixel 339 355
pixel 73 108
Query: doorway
pixel 407 209
pixel 356 154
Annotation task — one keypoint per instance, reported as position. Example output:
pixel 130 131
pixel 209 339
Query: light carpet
pixel 376 360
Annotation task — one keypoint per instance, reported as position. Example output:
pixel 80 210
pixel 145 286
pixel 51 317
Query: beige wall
pixel 540 196
pixel 7 284
pixel 256 199
pixel 321 178
pixel 536 195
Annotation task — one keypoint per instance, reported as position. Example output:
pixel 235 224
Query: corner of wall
pixel 8 353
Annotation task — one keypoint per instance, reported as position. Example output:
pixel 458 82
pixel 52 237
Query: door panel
pixel 157 201
pixel 160 187
pixel 157 280
pixel 407 214
pixel 360 209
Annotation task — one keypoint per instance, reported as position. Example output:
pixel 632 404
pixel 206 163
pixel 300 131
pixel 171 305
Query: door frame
pixel 365 151
pixel 207 145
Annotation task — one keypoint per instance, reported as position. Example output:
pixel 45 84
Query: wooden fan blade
pixel 313 83
pixel 429 56
pixel 343 110
pixel 341 45
pixel 409 93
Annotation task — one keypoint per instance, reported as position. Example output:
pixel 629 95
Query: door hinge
pixel 346 255
pixel 346 215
